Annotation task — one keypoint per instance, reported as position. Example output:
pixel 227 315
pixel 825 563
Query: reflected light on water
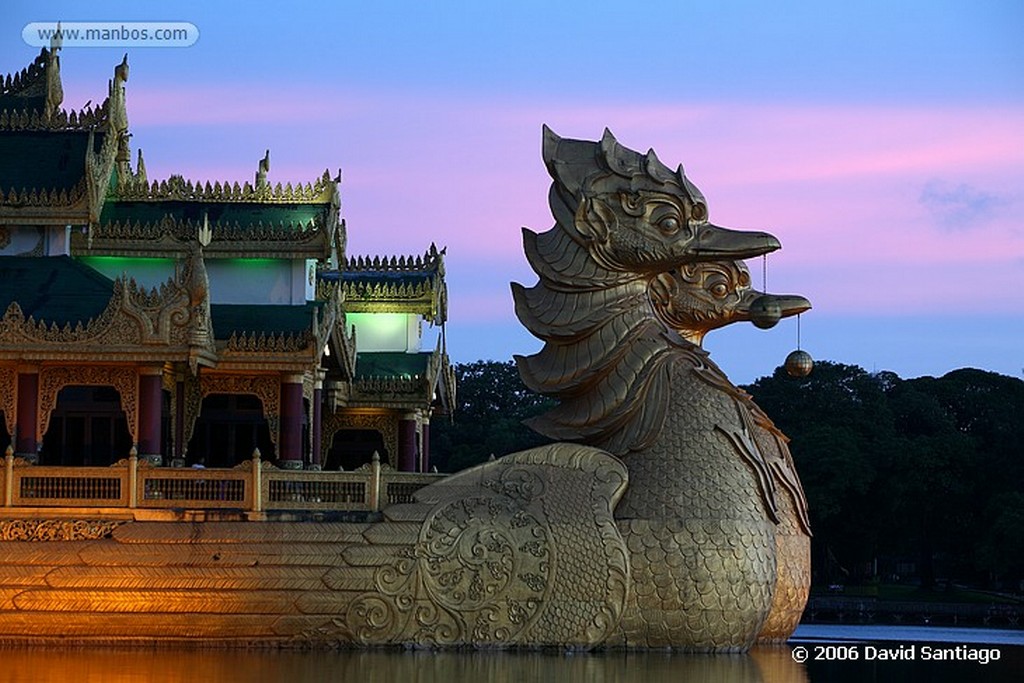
pixel 761 665
pixel 200 666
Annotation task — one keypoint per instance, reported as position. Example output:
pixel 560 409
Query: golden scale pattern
pixel 703 579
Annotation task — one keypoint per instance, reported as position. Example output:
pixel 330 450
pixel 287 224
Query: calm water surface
pixel 776 665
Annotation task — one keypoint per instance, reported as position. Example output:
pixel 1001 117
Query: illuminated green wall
pixel 386 331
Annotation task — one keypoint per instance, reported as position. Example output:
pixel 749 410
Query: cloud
pixel 960 207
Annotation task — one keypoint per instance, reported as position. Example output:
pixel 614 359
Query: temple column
pixel 179 416
pixel 317 418
pixel 407 443
pixel 290 455
pixel 26 445
pixel 150 411
pixel 425 444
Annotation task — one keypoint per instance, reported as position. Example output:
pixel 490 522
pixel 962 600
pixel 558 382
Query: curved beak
pixel 789 304
pixel 713 242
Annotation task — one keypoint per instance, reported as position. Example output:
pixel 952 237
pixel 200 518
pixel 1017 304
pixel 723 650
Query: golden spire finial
pixel 262 171
pixel 205 232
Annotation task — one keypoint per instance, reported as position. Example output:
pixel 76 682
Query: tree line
pixel 918 479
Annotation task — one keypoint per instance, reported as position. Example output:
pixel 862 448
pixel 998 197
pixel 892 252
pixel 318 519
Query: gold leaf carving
pixel 56 529
pixel 266 388
pixel 9 397
pixel 53 379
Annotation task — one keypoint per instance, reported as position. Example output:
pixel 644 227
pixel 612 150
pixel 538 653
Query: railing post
pixel 9 478
pixel 375 482
pixel 257 481
pixel 133 478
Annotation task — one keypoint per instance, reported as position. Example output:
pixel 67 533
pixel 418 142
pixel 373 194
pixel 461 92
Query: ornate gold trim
pixel 88 119
pixel 241 341
pixel 266 388
pixel 176 188
pixel 9 397
pixel 170 237
pixel 53 379
pixel 35 530
pixel 41 197
pixel 428 298
pixel 136 322
pixel 385 423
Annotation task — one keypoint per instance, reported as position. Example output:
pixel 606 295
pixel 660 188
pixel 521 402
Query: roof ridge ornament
pixel 262 171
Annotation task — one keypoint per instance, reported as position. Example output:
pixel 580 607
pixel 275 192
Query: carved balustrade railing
pixel 254 485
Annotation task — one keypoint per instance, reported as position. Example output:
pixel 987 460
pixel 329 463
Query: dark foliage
pixel 492 404
pixel 924 473
pixel 921 475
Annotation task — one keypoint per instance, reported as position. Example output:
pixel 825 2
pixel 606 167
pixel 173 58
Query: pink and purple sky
pixel 882 142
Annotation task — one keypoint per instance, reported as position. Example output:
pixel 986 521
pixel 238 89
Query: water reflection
pixel 195 666
pixel 770 665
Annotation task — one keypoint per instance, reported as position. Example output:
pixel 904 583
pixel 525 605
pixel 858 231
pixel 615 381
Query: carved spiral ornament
pixel 489 558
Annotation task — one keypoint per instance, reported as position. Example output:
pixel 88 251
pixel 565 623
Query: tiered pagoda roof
pixel 140 218
pixel 399 284
pixel 55 165
pixel 73 168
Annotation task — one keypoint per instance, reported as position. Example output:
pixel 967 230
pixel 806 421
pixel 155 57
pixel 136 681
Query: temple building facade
pixel 196 322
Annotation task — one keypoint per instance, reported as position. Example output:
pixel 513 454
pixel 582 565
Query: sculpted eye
pixel 719 289
pixel 669 225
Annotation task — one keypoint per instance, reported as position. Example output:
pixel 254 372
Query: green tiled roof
pixel 265 319
pixel 229 213
pixel 391 364
pixel 43 159
pixel 53 288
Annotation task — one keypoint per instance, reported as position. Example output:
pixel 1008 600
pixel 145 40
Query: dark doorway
pixel 87 428
pixel 354 447
pixel 229 428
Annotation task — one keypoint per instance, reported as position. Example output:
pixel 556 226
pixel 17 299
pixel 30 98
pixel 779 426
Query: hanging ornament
pixel 765 312
pixel 799 363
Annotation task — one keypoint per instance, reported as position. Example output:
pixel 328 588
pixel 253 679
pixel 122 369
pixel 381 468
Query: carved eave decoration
pixel 41 78
pixel 138 325
pixel 170 238
pixel 403 393
pixel 176 188
pixel 426 295
pixel 281 351
pixel 46 207
pixel 341 339
pixel 89 118
pixel 445 391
